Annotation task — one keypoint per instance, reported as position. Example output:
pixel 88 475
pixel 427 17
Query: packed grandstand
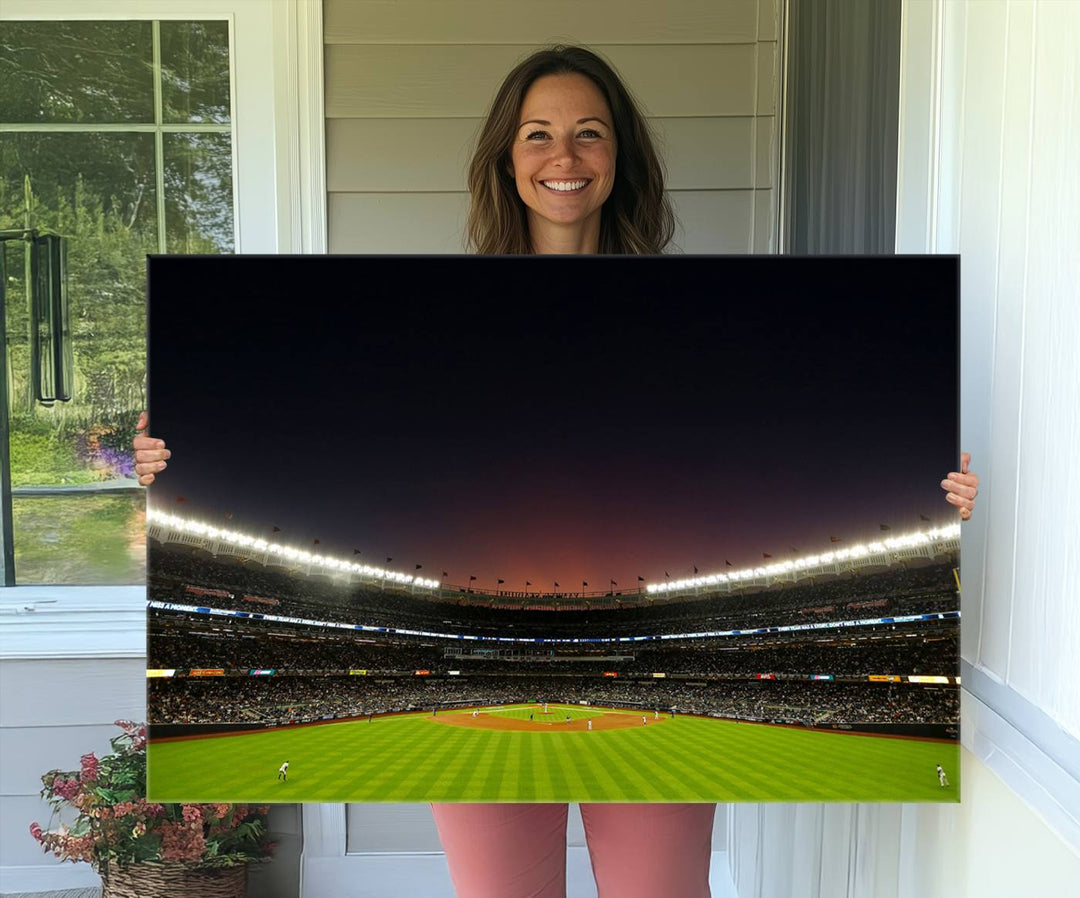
pixel 244 636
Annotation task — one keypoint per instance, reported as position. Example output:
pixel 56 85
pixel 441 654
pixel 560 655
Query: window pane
pixel 76 72
pixel 98 191
pixel 198 193
pixel 195 72
pixel 81 540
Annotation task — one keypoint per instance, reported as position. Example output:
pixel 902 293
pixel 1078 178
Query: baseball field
pixel 520 753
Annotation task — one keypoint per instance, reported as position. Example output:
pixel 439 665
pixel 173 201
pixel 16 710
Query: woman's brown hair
pixel 637 216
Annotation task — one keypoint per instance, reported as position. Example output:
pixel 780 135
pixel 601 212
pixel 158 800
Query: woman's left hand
pixel 961 487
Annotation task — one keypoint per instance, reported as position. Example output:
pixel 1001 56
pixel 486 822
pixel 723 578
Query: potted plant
pixel 143 848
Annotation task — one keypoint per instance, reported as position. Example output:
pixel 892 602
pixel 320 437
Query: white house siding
pixel 408 84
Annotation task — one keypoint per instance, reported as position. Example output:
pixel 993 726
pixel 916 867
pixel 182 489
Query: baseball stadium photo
pixel 654 529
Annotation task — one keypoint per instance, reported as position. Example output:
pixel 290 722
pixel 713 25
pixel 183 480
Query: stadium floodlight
pixel 291 553
pixel 809 563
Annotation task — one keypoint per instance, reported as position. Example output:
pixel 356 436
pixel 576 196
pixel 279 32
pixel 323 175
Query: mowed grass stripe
pixel 440 758
pixel 386 756
pixel 639 779
pixel 575 761
pixel 715 752
pixel 617 753
pixel 413 759
pixel 568 757
pixel 680 775
pixel 591 770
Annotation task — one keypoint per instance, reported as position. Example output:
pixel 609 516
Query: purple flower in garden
pixel 118 462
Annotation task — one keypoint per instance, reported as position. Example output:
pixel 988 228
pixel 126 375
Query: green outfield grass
pixel 412 757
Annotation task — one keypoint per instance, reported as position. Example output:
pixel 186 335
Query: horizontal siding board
pixel 768 28
pixel 28 752
pixel 521 22
pixel 371 155
pixel 460 81
pixel 399 154
pixel 710 221
pixel 17 846
pixel 396 223
pixel 713 221
pixel 72 692
pixel 706 153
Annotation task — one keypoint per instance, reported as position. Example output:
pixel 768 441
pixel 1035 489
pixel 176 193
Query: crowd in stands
pixel 284 699
pixel 176 572
pixel 192 641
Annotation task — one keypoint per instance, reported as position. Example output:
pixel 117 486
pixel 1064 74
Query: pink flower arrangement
pixel 115 824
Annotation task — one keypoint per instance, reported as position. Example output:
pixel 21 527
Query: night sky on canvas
pixel 555 419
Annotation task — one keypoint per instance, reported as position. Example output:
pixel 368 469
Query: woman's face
pixel 563 154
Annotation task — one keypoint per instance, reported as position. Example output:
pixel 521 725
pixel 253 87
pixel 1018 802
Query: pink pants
pixel 519 850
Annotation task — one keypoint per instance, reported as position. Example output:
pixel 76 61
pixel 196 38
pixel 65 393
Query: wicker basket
pixel 174 881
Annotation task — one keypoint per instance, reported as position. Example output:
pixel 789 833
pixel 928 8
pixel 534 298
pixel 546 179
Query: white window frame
pixel 279 207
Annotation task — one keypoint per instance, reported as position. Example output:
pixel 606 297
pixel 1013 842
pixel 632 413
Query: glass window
pixel 118 137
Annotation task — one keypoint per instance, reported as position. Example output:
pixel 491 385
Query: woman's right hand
pixel 150 453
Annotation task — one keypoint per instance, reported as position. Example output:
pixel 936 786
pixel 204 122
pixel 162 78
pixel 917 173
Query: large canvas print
pixel 556 528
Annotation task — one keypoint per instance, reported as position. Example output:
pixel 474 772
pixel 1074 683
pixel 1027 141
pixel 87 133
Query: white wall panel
pixel 713 221
pixel 407 84
pixel 412 80
pixel 990 138
pixel 396 223
pixel 1046 620
pixel 63 692
pixel 978 215
pixel 515 21
pixel 386 827
pixel 388 155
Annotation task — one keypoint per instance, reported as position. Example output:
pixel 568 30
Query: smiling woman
pixel 565 164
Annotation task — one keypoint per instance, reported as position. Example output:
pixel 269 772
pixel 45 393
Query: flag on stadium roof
pixel 923 517
pixel 357 552
pixel 277 530
pixel 613 583
pixel 501 581
pixel 666 574
pixel 527 583
pixel 766 555
pixel 584 582
pixel 388 559
pixel 556 585
pixel 834 539
pixel 471 578
pixel 695 568
pixel 885 527
pixel 445 574
pixel 419 566
pixel 728 563
pixel 640 578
